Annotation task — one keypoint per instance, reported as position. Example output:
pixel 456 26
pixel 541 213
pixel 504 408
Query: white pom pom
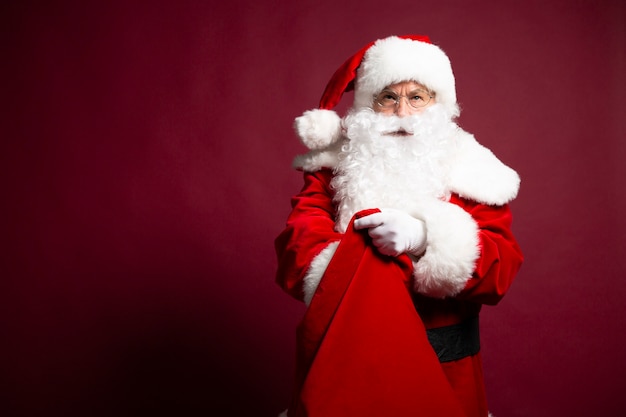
pixel 318 128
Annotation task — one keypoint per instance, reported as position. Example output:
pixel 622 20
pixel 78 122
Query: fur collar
pixel 475 172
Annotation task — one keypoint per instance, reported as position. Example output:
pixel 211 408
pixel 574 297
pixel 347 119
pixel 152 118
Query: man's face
pixel 403 99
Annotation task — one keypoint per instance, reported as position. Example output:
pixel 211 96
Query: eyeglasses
pixel 387 99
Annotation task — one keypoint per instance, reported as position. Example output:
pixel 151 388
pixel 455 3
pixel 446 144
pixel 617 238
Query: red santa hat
pixel 377 65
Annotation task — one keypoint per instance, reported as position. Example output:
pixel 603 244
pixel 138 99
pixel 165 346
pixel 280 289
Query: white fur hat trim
pixel 393 60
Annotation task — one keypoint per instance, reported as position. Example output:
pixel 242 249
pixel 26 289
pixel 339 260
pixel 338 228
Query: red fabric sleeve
pixel 309 229
pixel 500 255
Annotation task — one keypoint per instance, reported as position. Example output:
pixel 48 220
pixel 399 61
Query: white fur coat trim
pixel 319 158
pixel 316 271
pixel 452 247
pixel 474 173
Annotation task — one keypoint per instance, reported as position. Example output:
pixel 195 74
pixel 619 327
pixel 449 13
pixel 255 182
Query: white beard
pixel 380 170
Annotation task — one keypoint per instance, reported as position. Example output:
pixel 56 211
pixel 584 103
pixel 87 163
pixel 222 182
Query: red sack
pixel 362 349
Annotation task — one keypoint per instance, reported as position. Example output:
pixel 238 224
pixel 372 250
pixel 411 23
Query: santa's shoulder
pixel 317 159
pixel 477 174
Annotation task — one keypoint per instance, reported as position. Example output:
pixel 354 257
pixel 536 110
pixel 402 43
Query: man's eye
pixel 389 97
pixel 417 97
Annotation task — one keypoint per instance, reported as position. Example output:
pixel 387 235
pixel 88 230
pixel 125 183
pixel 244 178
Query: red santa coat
pixel 470 260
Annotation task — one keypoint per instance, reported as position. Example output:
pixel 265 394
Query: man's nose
pixel 402 108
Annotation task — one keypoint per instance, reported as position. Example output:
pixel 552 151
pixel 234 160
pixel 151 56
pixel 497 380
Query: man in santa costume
pixel 399 236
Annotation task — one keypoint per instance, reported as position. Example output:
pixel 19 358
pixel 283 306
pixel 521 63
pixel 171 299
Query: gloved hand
pixel 394 232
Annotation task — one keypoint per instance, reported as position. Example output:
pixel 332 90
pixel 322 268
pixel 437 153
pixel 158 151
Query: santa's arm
pixel 308 241
pixel 471 252
pixel 500 255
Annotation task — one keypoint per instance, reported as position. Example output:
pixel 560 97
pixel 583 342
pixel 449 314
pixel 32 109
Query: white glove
pixel 394 232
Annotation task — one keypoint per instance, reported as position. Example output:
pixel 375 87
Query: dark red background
pixel 146 150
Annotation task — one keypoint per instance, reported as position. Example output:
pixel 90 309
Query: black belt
pixel 455 342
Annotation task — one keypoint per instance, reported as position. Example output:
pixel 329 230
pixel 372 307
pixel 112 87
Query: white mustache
pixel 397 126
pixel 366 121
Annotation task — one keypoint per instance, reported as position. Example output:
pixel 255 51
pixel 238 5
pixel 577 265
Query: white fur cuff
pixel 451 251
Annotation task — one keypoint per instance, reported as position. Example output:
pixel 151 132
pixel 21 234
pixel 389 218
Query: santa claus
pixel 399 236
